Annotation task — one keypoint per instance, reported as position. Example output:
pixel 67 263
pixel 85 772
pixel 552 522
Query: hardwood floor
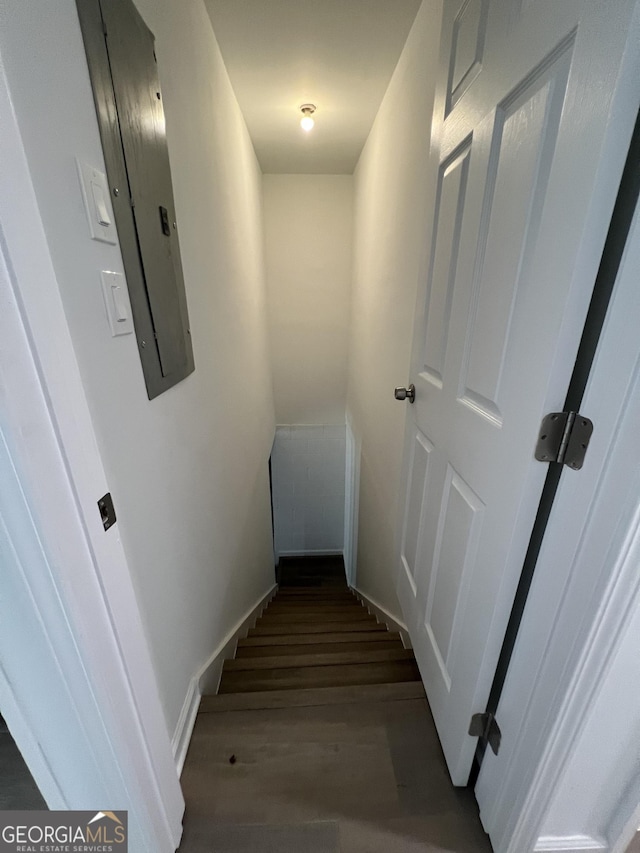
pixel 320 738
pixel 634 847
pixel 18 789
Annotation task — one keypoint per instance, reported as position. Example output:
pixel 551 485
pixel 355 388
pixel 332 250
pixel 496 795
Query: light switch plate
pixel 116 300
pixel 97 203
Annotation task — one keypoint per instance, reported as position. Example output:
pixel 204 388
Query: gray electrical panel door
pixel 123 67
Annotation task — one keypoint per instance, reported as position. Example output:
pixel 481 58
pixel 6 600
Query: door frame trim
pixel 595 594
pixel 351 503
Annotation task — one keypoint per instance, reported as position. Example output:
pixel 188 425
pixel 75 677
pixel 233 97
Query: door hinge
pixel 487 729
pixel 564 438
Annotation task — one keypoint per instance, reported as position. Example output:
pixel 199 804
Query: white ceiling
pixel 336 54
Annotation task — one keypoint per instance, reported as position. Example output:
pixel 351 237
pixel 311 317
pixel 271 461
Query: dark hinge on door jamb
pixel 564 438
pixel 485 727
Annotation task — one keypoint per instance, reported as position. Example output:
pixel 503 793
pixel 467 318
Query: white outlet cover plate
pixel 116 300
pixel 97 203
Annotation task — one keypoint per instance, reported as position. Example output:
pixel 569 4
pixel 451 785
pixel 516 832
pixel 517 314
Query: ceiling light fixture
pixel 306 122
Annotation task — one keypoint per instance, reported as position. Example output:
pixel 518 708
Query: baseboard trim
pixel 383 615
pixel 569 844
pixel 207 678
pixel 209 674
pixel 184 728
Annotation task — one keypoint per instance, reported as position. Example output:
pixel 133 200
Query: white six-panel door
pixel 522 125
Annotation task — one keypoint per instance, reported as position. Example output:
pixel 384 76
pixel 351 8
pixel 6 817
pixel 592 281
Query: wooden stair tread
pixel 339 636
pixel 335 657
pixel 315 601
pixel 321 581
pixel 386 642
pixel 276 628
pixel 302 576
pixel 355 614
pixel 308 697
pixel 383 672
pixel 312 606
pixel 314 596
pixel 315 643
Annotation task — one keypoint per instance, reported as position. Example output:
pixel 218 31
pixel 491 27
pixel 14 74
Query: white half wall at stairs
pixel 308 479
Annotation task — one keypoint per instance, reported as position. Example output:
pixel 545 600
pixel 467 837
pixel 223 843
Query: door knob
pixel 406 393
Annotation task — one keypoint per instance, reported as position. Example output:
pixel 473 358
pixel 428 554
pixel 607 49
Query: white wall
pixel 308 227
pixel 308 224
pixel 188 471
pixel 308 489
pixel 391 206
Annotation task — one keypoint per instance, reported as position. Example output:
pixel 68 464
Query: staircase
pixel 320 737
pixel 316 644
